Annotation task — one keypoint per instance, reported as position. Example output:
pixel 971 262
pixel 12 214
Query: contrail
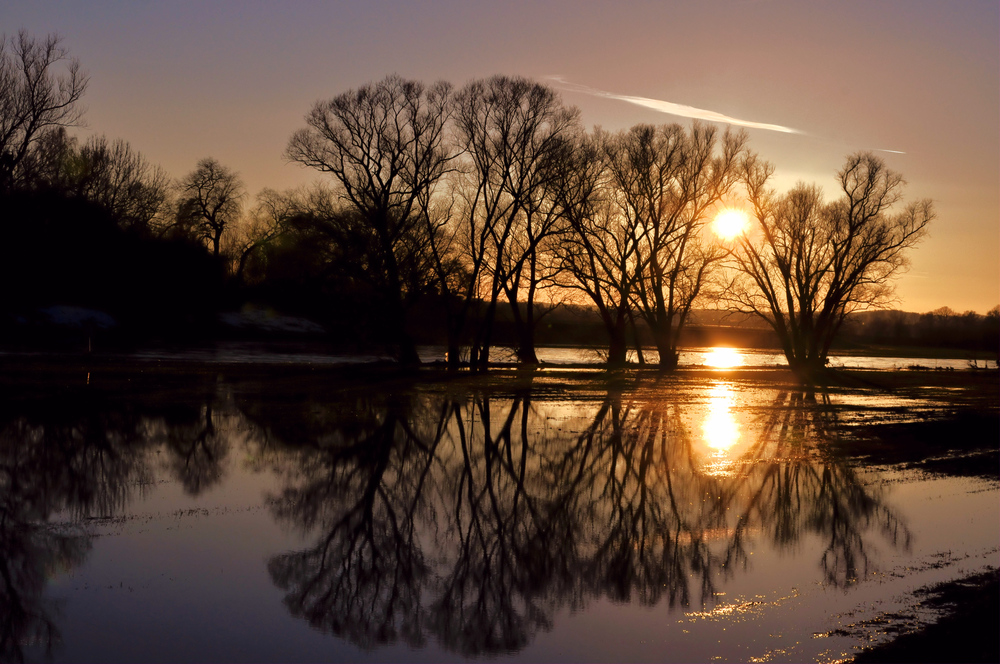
pixel 671 108
pixel 892 151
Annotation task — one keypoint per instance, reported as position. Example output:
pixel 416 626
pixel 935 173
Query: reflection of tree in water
pixel 198 434
pixel 505 553
pixel 361 485
pixel 31 554
pixel 791 490
pixel 650 506
pixel 475 520
pixel 77 453
pixel 55 457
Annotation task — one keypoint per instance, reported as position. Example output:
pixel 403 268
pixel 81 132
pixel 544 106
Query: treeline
pixel 445 208
pixel 941 328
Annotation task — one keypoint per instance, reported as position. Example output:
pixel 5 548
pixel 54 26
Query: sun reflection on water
pixel 723 358
pixel 720 430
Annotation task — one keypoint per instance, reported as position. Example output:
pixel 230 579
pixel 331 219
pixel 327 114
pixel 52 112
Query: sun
pixel 729 223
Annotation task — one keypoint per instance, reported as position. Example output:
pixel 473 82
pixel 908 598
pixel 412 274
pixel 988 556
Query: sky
pixel 811 82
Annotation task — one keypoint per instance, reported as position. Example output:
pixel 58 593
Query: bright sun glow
pixel 730 223
pixel 723 358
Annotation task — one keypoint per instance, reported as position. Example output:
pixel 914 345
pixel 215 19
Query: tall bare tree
pixel 511 130
pixel 384 144
pixel 669 180
pixel 211 202
pixel 808 264
pixel 603 253
pixel 40 87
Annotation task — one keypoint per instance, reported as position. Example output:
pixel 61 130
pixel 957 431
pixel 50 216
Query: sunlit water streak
pixel 719 430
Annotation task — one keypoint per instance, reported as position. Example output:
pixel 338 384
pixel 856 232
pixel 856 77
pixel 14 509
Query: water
pixel 313 517
pixel 253 353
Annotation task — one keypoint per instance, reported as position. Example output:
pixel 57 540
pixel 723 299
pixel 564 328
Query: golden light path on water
pixel 720 430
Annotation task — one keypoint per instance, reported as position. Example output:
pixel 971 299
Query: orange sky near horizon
pixel 917 80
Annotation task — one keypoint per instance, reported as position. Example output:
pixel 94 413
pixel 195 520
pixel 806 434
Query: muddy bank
pixel 965 632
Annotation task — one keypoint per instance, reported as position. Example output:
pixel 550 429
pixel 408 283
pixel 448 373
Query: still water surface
pixel 207 519
pixel 253 353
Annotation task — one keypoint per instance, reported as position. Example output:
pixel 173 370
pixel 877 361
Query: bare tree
pixel 268 219
pixel 115 175
pixel 808 264
pixel 35 96
pixel 603 252
pixel 110 173
pixel 511 130
pixel 666 181
pixel 384 145
pixel 211 201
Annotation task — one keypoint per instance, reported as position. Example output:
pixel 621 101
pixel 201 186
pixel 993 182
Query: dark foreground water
pixel 165 516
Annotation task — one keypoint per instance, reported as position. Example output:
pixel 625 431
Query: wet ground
pixel 219 512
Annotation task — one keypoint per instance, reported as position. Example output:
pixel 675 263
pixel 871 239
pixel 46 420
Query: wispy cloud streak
pixel 671 108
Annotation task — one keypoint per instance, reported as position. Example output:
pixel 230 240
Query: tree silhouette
pixel 270 217
pixel 602 252
pixel 211 202
pixel 512 130
pixel 117 177
pixel 34 97
pixel 384 144
pixel 807 265
pixel 108 173
pixel 670 180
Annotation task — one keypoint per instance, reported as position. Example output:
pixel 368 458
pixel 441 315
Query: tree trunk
pixel 526 344
pixel 406 347
pixel 669 356
pixel 480 359
pixel 664 346
pixel 808 370
pixel 453 355
pixel 455 324
pixel 618 349
pixel 524 327
pixel 635 338
pixel 408 355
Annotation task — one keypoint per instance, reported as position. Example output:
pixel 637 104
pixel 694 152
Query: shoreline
pixel 967 612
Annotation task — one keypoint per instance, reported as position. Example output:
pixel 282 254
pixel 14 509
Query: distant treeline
pixel 941 328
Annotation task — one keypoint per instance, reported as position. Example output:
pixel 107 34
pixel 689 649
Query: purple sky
pixel 233 80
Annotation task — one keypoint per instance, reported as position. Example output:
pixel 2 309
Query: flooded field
pixel 255 353
pixel 300 514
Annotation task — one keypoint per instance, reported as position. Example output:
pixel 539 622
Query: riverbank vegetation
pixel 472 217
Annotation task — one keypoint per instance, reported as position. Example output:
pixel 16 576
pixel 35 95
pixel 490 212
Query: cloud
pixel 671 108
